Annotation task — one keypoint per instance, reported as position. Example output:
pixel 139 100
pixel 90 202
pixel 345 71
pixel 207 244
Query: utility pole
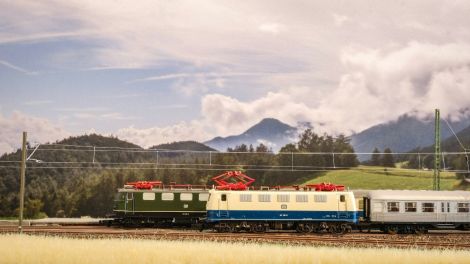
pixel 22 179
pixel 437 152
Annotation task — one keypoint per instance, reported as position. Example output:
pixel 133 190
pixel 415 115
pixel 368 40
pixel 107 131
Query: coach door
pixel 129 205
pixel 223 205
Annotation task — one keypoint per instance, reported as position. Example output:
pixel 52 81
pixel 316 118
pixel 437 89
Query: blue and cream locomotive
pixel 262 210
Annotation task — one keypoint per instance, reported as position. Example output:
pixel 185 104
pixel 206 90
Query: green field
pixel 368 177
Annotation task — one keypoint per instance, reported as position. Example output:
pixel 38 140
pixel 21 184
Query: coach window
pixel 463 207
pixel 223 197
pixel 428 207
pixel 410 207
pixel 203 197
pixel 186 196
pixel 443 207
pixel 168 196
pixel 393 206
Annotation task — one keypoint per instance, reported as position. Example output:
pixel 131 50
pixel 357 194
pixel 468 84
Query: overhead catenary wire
pixel 239 152
pixel 461 144
pixel 382 170
pixel 208 162
pixel 455 135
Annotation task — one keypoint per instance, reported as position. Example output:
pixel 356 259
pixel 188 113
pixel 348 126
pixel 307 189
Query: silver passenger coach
pixel 408 211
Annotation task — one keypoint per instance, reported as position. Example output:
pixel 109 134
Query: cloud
pixel 273 28
pixel 148 137
pixel 339 19
pixel 16 68
pixel 378 86
pixel 39 130
pixel 37 102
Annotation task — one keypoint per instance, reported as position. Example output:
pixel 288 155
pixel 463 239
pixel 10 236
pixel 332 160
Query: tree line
pixel 87 188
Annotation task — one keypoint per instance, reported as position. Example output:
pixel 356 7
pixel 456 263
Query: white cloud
pixel 148 137
pixel 16 68
pixel 379 86
pixel 37 102
pixel 39 130
pixel 273 28
pixel 378 77
pixel 339 19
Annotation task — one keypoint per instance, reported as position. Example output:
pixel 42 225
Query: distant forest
pixel 79 176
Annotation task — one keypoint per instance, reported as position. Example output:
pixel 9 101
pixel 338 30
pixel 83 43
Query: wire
pixel 453 132
pixel 116 149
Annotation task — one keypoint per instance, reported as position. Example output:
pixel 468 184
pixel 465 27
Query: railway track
pixel 435 240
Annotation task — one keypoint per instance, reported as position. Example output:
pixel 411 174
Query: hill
pixel 402 135
pixel 269 131
pixel 184 145
pixel 371 178
pixel 450 161
pixel 79 175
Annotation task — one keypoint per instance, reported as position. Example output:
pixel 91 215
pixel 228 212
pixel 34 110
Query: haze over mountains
pixel 402 135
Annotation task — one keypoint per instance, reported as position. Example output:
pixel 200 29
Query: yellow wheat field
pixel 39 249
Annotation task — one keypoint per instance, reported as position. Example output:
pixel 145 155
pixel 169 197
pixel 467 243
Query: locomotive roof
pixel 178 190
pixel 273 191
pixel 419 195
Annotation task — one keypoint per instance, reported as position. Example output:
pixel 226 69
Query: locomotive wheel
pixel 345 228
pixel 332 229
pixel 308 228
pixel 259 228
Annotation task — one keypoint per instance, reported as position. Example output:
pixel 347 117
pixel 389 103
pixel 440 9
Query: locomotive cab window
pixel 168 196
pixel 342 198
pixel 223 197
pixel 463 207
pixel 393 206
pixel 427 207
pixel 410 207
pixel 186 196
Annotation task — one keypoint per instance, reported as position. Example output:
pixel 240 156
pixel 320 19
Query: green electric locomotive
pixel 155 204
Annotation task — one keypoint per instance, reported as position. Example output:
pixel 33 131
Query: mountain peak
pixel 268 125
pixel 268 131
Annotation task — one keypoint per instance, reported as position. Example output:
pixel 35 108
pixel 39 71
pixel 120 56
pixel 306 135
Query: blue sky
pixel 159 71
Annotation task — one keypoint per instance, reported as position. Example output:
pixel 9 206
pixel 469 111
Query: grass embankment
pixel 37 249
pixel 368 177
